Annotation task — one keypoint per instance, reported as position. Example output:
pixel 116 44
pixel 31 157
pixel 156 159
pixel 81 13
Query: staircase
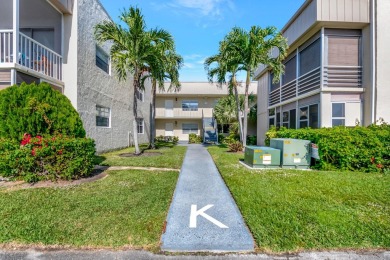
pixel 210 133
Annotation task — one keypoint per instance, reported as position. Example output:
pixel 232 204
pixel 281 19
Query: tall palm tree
pixel 222 66
pixel 252 49
pixel 132 50
pixel 166 68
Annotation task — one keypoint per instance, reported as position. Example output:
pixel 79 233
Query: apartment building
pixel 53 41
pixel 336 72
pixel 190 110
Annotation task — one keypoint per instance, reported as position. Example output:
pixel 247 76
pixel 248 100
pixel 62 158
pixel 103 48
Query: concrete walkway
pixel 203 215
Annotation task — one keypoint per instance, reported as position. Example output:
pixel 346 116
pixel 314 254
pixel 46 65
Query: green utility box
pixel 295 153
pixel 262 157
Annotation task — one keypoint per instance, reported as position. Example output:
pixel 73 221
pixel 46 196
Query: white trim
pixel 143 125
pixel 373 61
pixel 15 24
pixel 109 117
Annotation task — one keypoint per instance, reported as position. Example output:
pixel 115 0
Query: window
pixel 271 117
pixel 103 116
pixel 277 119
pixel 223 128
pixel 273 86
pixel 139 94
pixel 310 57
pixel 102 60
pixel 189 105
pixel 140 125
pixel 290 71
pixel 286 121
pixel 190 128
pixel 293 119
pixel 308 116
pixel 338 114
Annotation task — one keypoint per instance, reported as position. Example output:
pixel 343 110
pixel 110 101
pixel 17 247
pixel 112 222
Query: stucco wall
pixel 96 87
pixel 177 127
pixel 383 57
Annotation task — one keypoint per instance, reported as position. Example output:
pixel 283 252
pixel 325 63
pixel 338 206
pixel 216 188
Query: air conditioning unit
pixel 262 157
pixel 295 153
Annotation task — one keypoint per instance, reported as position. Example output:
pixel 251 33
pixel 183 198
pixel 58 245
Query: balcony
pixel 178 113
pixel 304 84
pixel 31 55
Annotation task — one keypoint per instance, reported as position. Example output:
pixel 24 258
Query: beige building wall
pixel 161 125
pixel 383 60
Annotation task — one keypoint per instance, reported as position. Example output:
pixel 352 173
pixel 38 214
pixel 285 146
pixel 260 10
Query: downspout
pixel 373 60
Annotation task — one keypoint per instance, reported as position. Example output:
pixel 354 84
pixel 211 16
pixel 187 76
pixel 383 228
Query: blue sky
pixel 198 25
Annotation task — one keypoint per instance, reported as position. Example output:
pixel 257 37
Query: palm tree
pixel 221 66
pixel 132 50
pixel 166 68
pixel 252 49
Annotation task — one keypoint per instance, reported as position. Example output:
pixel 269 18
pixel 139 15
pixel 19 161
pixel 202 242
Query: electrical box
pixel 295 153
pixel 262 157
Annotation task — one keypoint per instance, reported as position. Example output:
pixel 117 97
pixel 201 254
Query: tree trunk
pixel 153 112
pixel 238 108
pixel 135 131
pixel 246 105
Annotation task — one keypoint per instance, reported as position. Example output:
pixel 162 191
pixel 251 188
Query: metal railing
pixel 308 82
pixel 31 54
pixel 343 76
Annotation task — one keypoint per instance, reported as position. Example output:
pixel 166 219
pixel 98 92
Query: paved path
pixel 203 215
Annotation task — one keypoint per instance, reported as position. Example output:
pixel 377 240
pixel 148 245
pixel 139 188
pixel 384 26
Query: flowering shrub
pixel 46 158
pixel 346 148
pixel 37 110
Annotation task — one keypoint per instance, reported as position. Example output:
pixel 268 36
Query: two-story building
pixel 336 72
pixel 53 41
pixel 189 110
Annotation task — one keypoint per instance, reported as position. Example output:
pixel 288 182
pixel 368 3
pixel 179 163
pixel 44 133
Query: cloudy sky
pixel 199 25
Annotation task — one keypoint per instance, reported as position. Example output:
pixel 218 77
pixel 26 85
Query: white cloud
pixel 212 9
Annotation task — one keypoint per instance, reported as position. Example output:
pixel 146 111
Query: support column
pixel 15 38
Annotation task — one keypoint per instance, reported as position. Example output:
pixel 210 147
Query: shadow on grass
pixel 99 159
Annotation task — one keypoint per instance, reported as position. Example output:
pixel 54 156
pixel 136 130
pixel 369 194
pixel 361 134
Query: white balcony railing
pixel 179 113
pixel 31 54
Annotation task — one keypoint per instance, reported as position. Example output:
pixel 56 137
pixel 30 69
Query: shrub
pixel 167 139
pixel 221 138
pixel 346 148
pixel 251 140
pixel 195 139
pixel 38 110
pixel 235 147
pixel 47 158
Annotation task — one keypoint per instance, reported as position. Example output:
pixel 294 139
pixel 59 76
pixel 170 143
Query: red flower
pixel 26 139
pixel 372 159
pixel 33 152
pixel 379 166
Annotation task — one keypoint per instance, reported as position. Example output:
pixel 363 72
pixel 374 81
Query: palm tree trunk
pixel 153 112
pixel 238 107
pixel 135 130
pixel 246 105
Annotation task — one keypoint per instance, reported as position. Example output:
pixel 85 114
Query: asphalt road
pixel 203 215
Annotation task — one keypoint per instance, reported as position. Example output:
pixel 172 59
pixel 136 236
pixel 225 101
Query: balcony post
pixel 15 38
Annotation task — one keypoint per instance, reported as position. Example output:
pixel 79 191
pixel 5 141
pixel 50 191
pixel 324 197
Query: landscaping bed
pixel 294 210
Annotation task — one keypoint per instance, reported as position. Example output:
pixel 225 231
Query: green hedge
pixel 46 158
pixel 357 148
pixel 195 139
pixel 37 110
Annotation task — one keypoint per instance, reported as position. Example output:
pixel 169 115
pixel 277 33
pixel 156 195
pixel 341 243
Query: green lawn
pixel 171 157
pixel 291 210
pixel 127 208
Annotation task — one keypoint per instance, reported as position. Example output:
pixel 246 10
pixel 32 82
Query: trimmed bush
pixel 166 139
pixel 357 148
pixel 251 140
pixel 235 147
pixel 37 110
pixel 195 139
pixel 46 158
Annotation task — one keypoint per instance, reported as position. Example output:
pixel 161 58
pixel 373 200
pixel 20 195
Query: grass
pixel 126 209
pixel 292 210
pixel 171 157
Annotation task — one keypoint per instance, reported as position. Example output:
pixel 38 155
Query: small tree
pixel 37 110
pixel 133 49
